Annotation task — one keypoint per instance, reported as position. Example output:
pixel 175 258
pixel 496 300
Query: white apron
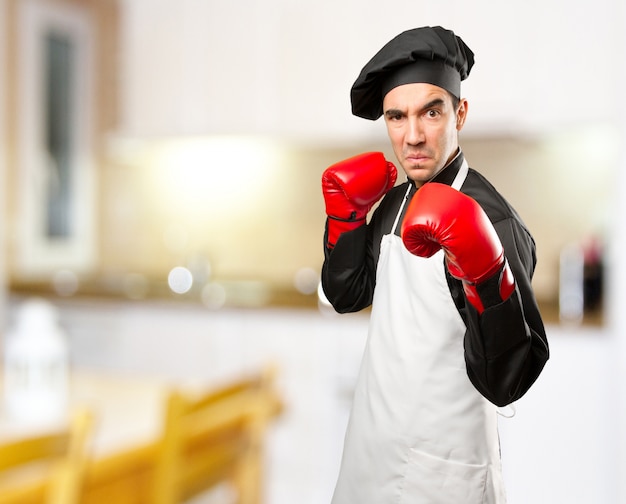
pixel 419 432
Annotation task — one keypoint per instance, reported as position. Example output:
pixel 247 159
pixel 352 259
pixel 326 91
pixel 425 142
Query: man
pixel 446 264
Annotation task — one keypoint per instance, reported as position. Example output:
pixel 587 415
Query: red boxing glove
pixel 439 216
pixel 351 188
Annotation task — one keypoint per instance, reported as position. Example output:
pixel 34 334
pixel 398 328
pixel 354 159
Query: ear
pixel 461 114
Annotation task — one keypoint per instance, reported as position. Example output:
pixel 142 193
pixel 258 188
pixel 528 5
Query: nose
pixel 415 133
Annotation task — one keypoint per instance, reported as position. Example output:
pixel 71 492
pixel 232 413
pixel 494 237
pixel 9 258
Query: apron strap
pixel 404 200
pixel 460 176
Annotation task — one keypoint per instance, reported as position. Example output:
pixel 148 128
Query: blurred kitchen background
pixel 160 165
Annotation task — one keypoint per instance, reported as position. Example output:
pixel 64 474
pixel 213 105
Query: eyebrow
pixel 437 102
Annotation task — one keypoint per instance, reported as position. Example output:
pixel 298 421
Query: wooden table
pixel 128 412
pixel 127 409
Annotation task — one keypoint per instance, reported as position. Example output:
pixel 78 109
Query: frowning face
pixel 423 124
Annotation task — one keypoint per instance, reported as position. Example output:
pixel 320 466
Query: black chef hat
pixel 429 54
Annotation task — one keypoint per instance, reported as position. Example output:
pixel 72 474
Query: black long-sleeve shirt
pixel 506 346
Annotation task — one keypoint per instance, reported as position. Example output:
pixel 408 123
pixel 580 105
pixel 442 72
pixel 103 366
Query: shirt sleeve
pixel 506 346
pixel 348 272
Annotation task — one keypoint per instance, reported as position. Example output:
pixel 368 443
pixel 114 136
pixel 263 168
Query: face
pixel 423 128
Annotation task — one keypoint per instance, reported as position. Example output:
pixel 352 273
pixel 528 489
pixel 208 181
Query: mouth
pixel 416 158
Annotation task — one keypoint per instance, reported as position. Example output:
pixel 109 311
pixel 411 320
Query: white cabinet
pixel 285 68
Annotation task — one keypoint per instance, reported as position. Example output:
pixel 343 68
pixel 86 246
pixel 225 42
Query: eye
pixel 394 115
pixel 433 113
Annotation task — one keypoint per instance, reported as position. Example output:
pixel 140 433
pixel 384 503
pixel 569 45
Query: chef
pixel 446 264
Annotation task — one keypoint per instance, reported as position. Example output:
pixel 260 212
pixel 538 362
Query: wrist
pixel 491 291
pixel 336 227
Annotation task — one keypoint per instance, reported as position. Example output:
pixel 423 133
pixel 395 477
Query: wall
pixel 282 68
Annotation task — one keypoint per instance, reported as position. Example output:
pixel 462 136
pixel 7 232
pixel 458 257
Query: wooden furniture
pixel 46 467
pixel 205 437
pixel 208 437
pixel 214 437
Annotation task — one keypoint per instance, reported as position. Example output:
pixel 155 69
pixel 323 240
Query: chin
pixel 419 176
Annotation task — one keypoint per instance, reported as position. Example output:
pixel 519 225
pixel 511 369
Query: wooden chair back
pixel 215 437
pixel 47 467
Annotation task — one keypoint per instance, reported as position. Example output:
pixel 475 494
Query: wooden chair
pixel 46 468
pixel 213 438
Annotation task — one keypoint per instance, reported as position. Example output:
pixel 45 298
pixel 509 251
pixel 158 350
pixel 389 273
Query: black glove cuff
pixel 489 290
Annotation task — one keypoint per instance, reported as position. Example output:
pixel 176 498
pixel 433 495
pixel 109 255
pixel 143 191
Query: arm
pixel 506 346
pixel 489 272
pixel 351 188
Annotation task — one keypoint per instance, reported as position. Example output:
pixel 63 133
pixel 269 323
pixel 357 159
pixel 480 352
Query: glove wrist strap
pixel 353 218
pixel 336 227
pixel 492 291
